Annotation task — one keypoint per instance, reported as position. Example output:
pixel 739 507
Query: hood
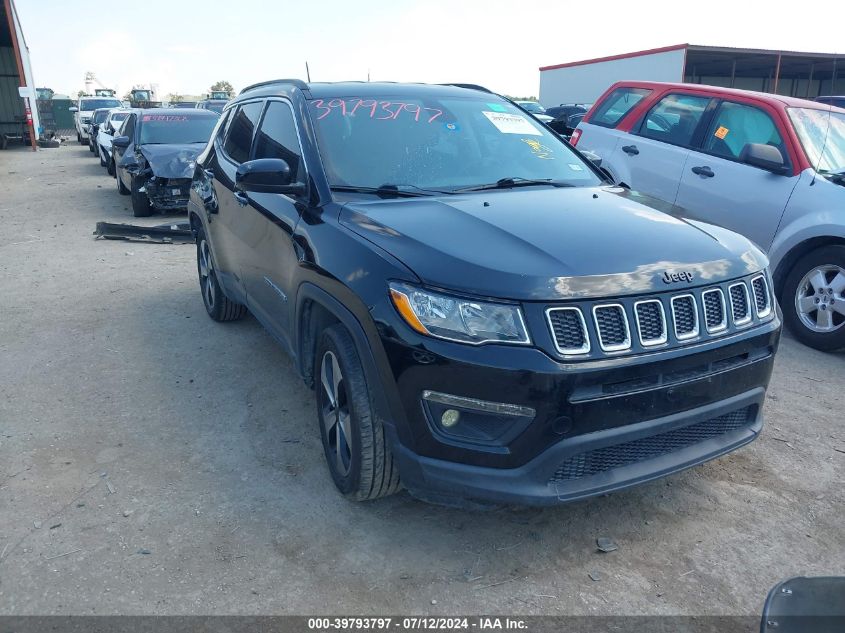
pixel 172 161
pixel 544 244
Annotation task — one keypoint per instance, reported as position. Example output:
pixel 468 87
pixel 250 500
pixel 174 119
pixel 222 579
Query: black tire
pixel 81 140
pixel 78 137
pixel 141 206
pixel 830 260
pixel 217 304
pixel 121 188
pixel 91 144
pixel 363 468
pixel 110 167
pixel 103 162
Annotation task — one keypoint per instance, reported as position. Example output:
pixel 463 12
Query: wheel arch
pixel 796 252
pixel 317 309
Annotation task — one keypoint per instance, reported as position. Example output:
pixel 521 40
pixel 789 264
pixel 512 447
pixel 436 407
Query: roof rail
pixel 471 87
pixel 294 82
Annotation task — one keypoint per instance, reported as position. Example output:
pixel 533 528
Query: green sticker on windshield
pixel 497 107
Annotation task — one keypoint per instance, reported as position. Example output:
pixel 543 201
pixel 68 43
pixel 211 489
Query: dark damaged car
pixel 480 314
pixel 155 156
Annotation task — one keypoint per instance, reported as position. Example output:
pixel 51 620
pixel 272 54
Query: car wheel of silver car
pixel 356 449
pixel 217 304
pixel 814 298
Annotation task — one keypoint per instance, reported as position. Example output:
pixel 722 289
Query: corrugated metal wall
pixel 11 105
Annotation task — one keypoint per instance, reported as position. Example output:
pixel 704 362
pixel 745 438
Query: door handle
pixel 241 197
pixel 631 150
pixel 705 171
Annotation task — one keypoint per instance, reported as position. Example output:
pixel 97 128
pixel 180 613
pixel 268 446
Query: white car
pixel 83 110
pixel 767 166
pixel 108 130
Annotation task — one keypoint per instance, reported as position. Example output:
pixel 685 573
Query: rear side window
pixel 277 138
pixel 735 125
pixel 241 128
pixel 674 119
pixel 617 104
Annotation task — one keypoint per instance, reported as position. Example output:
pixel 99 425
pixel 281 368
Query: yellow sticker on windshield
pixel 538 149
pixel 722 132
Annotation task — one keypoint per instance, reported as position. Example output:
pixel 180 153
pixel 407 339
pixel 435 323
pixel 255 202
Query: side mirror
pixel 267 175
pixel 73 109
pixel 763 156
pixel 120 141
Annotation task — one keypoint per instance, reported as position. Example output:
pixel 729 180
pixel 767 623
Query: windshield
pixel 438 143
pixel 532 106
pixel 176 128
pixel 822 135
pixel 99 117
pixel 93 104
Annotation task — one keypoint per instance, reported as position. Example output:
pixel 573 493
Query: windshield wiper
pixel 516 181
pixel 388 190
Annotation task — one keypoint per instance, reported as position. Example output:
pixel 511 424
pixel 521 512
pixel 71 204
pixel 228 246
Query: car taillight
pixel 576 134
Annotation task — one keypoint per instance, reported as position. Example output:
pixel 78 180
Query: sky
pixel 184 47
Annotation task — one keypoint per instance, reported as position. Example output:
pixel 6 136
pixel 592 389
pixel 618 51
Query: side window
pixel 223 126
pixel 735 125
pixel 241 127
pixel 617 104
pixel 674 119
pixel 277 138
pixel 128 128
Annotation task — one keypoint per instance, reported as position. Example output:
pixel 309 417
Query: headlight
pixel 457 319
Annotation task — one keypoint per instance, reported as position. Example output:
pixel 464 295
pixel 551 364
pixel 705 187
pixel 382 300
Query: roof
pixel 327 90
pixel 698 49
pixel 736 92
pixel 174 111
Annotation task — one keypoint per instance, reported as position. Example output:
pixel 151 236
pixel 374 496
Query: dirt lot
pixel 153 461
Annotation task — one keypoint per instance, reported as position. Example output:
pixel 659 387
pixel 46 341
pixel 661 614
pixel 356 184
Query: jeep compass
pixel 480 314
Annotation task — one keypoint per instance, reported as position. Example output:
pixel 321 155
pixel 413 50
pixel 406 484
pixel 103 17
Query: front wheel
pixel 354 442
pixel 141 206
pixel 813 299
pixel 121 188
pixel 103 162
pixel 217 304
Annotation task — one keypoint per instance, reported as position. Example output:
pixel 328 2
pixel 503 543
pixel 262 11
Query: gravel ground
pixel 155 462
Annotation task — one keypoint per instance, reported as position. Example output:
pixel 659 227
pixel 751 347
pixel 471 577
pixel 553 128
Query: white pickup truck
pixel 82 113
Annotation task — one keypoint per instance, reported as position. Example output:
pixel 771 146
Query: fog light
pixel 474 420
pixel 450 418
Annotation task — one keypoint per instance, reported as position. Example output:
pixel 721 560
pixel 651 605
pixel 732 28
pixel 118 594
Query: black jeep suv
pixel 480 315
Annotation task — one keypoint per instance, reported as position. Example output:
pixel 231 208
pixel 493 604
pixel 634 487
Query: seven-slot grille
pixel 612 326
pixel 650 322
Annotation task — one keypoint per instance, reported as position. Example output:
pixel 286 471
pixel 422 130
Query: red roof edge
pixel 650 51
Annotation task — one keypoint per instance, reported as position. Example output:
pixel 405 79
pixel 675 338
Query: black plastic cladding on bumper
pixel 603 459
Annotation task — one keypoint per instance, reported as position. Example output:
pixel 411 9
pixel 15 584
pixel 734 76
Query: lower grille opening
pixel 610 457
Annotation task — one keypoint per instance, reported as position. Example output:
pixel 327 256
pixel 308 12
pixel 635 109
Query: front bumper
pixel 168 194
pixel 594 463
pixel 600 425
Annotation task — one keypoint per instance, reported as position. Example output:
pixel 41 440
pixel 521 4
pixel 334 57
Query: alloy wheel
pixel 820 299
pixel 206 267
pixel 336 417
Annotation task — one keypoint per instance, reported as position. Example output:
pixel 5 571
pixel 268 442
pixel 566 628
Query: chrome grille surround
pixel 740 303
pixel 639 317
pixel 601 317
pixel 557 335
pixel 722 324
pixel 761 292
pixel 693 332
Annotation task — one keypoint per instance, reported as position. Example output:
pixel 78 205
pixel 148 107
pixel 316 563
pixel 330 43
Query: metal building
pixel 792 73
pixel 18 113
